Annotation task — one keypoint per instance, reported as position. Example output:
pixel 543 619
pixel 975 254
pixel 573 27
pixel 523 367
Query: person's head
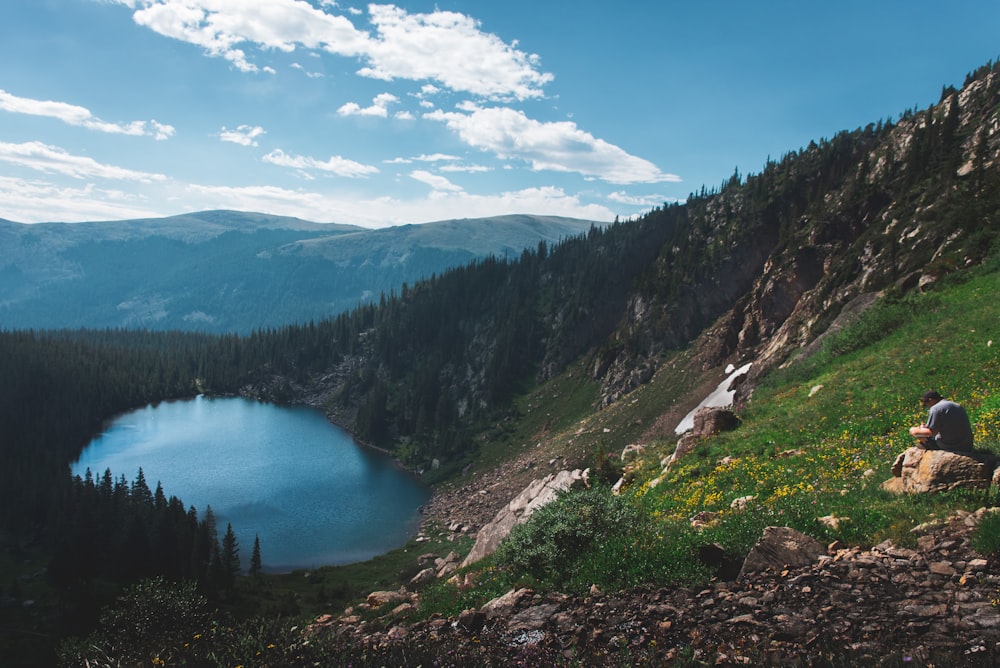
pixel 930 397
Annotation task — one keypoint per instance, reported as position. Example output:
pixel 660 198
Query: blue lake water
pixel 312 495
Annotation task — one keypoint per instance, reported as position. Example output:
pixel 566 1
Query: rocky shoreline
pixel 932 604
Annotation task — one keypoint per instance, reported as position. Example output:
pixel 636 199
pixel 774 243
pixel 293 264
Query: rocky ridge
pixel 934 601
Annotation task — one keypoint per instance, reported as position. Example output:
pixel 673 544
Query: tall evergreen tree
pixel 230 557
pixel 255 564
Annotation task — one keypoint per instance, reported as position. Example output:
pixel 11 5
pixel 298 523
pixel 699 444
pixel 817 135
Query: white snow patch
pixel 721 397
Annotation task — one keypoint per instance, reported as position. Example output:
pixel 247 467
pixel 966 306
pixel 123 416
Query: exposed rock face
pixel 534 496
pixel 709 421
pixel 919 471
pixel 781 548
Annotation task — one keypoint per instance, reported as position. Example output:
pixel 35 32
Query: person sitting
pixel 947 426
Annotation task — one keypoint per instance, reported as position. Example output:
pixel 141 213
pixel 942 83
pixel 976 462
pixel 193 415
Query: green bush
pixel 986 539
pixel 561 537
pixel 152 623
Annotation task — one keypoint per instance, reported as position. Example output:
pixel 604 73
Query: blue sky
pixel 385 114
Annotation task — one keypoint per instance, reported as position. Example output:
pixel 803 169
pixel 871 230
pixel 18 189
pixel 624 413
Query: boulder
pixel 423 577
pixel 921 471
pixel 711 420
pixel 781 548
pixel 378 599
pixel 708 421
pixel 504 605
pixel 534 496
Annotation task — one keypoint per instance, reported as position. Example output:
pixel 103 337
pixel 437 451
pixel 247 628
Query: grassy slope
pixel 801 457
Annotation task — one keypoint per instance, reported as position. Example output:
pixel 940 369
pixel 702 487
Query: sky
pixel 387 114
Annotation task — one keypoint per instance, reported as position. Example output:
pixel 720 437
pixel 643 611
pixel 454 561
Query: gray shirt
pixel 951 423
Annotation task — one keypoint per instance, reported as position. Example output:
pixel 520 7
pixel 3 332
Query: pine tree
pixel 230 557
pixel 255 565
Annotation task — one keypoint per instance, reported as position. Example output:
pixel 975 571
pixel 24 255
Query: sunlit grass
pixel 818 439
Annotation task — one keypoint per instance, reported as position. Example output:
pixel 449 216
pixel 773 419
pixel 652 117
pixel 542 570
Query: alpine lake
pixel 311 494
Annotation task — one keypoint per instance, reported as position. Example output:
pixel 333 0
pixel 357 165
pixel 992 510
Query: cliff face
pixel 891 206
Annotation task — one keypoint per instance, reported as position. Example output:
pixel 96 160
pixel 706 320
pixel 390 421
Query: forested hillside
pixel 768 261
pixel 758 268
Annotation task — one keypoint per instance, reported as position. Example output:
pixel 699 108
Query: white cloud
pixel 389 211
pixel 378 107
pixel 244 135
pixel 436 157
pixel 54 160
pixel 447 48
pixel 640 200
pixel 434 181
pixel 559 146
pixel 468 169
pixel 404 116
pixel 33 201
pixel 450 49
pixel 335 164
pixel 308 73
pixel 72 114
pixel 218 26
pixel 36 201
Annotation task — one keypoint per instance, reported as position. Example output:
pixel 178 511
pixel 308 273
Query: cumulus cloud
pixel 447 48
pixel 72 114
pixel 379 107
pixel 220 26
pixel 54 160
pixel 244 135
pixel 435 181
pixel 558 146
pixel 334 165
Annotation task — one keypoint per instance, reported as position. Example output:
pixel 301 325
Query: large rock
pixel 708 421
pixel 533 497
pixel 920 471
pixel 711 420
pixel 781 548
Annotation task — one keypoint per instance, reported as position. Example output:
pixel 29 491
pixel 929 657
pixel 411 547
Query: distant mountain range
pixel 230 271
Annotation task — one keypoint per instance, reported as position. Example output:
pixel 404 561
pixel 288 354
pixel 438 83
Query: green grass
pixel 805 453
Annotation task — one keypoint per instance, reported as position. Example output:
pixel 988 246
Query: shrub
pixel 152 622
pixel 986 539
pixel 556 542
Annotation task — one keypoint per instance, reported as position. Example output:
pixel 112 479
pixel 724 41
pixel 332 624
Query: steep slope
pixel 783 253
pixel 225 271
pixel 759 268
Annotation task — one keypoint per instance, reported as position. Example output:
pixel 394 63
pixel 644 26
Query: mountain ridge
pixel 226 271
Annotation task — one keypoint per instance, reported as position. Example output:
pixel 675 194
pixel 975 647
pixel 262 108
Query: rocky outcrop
pixel 888 605
pixel 708 421
pixel 533 497
pixel 920 471
pixel 781 548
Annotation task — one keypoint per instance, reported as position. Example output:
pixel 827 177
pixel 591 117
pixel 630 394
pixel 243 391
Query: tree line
pixel 423 369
